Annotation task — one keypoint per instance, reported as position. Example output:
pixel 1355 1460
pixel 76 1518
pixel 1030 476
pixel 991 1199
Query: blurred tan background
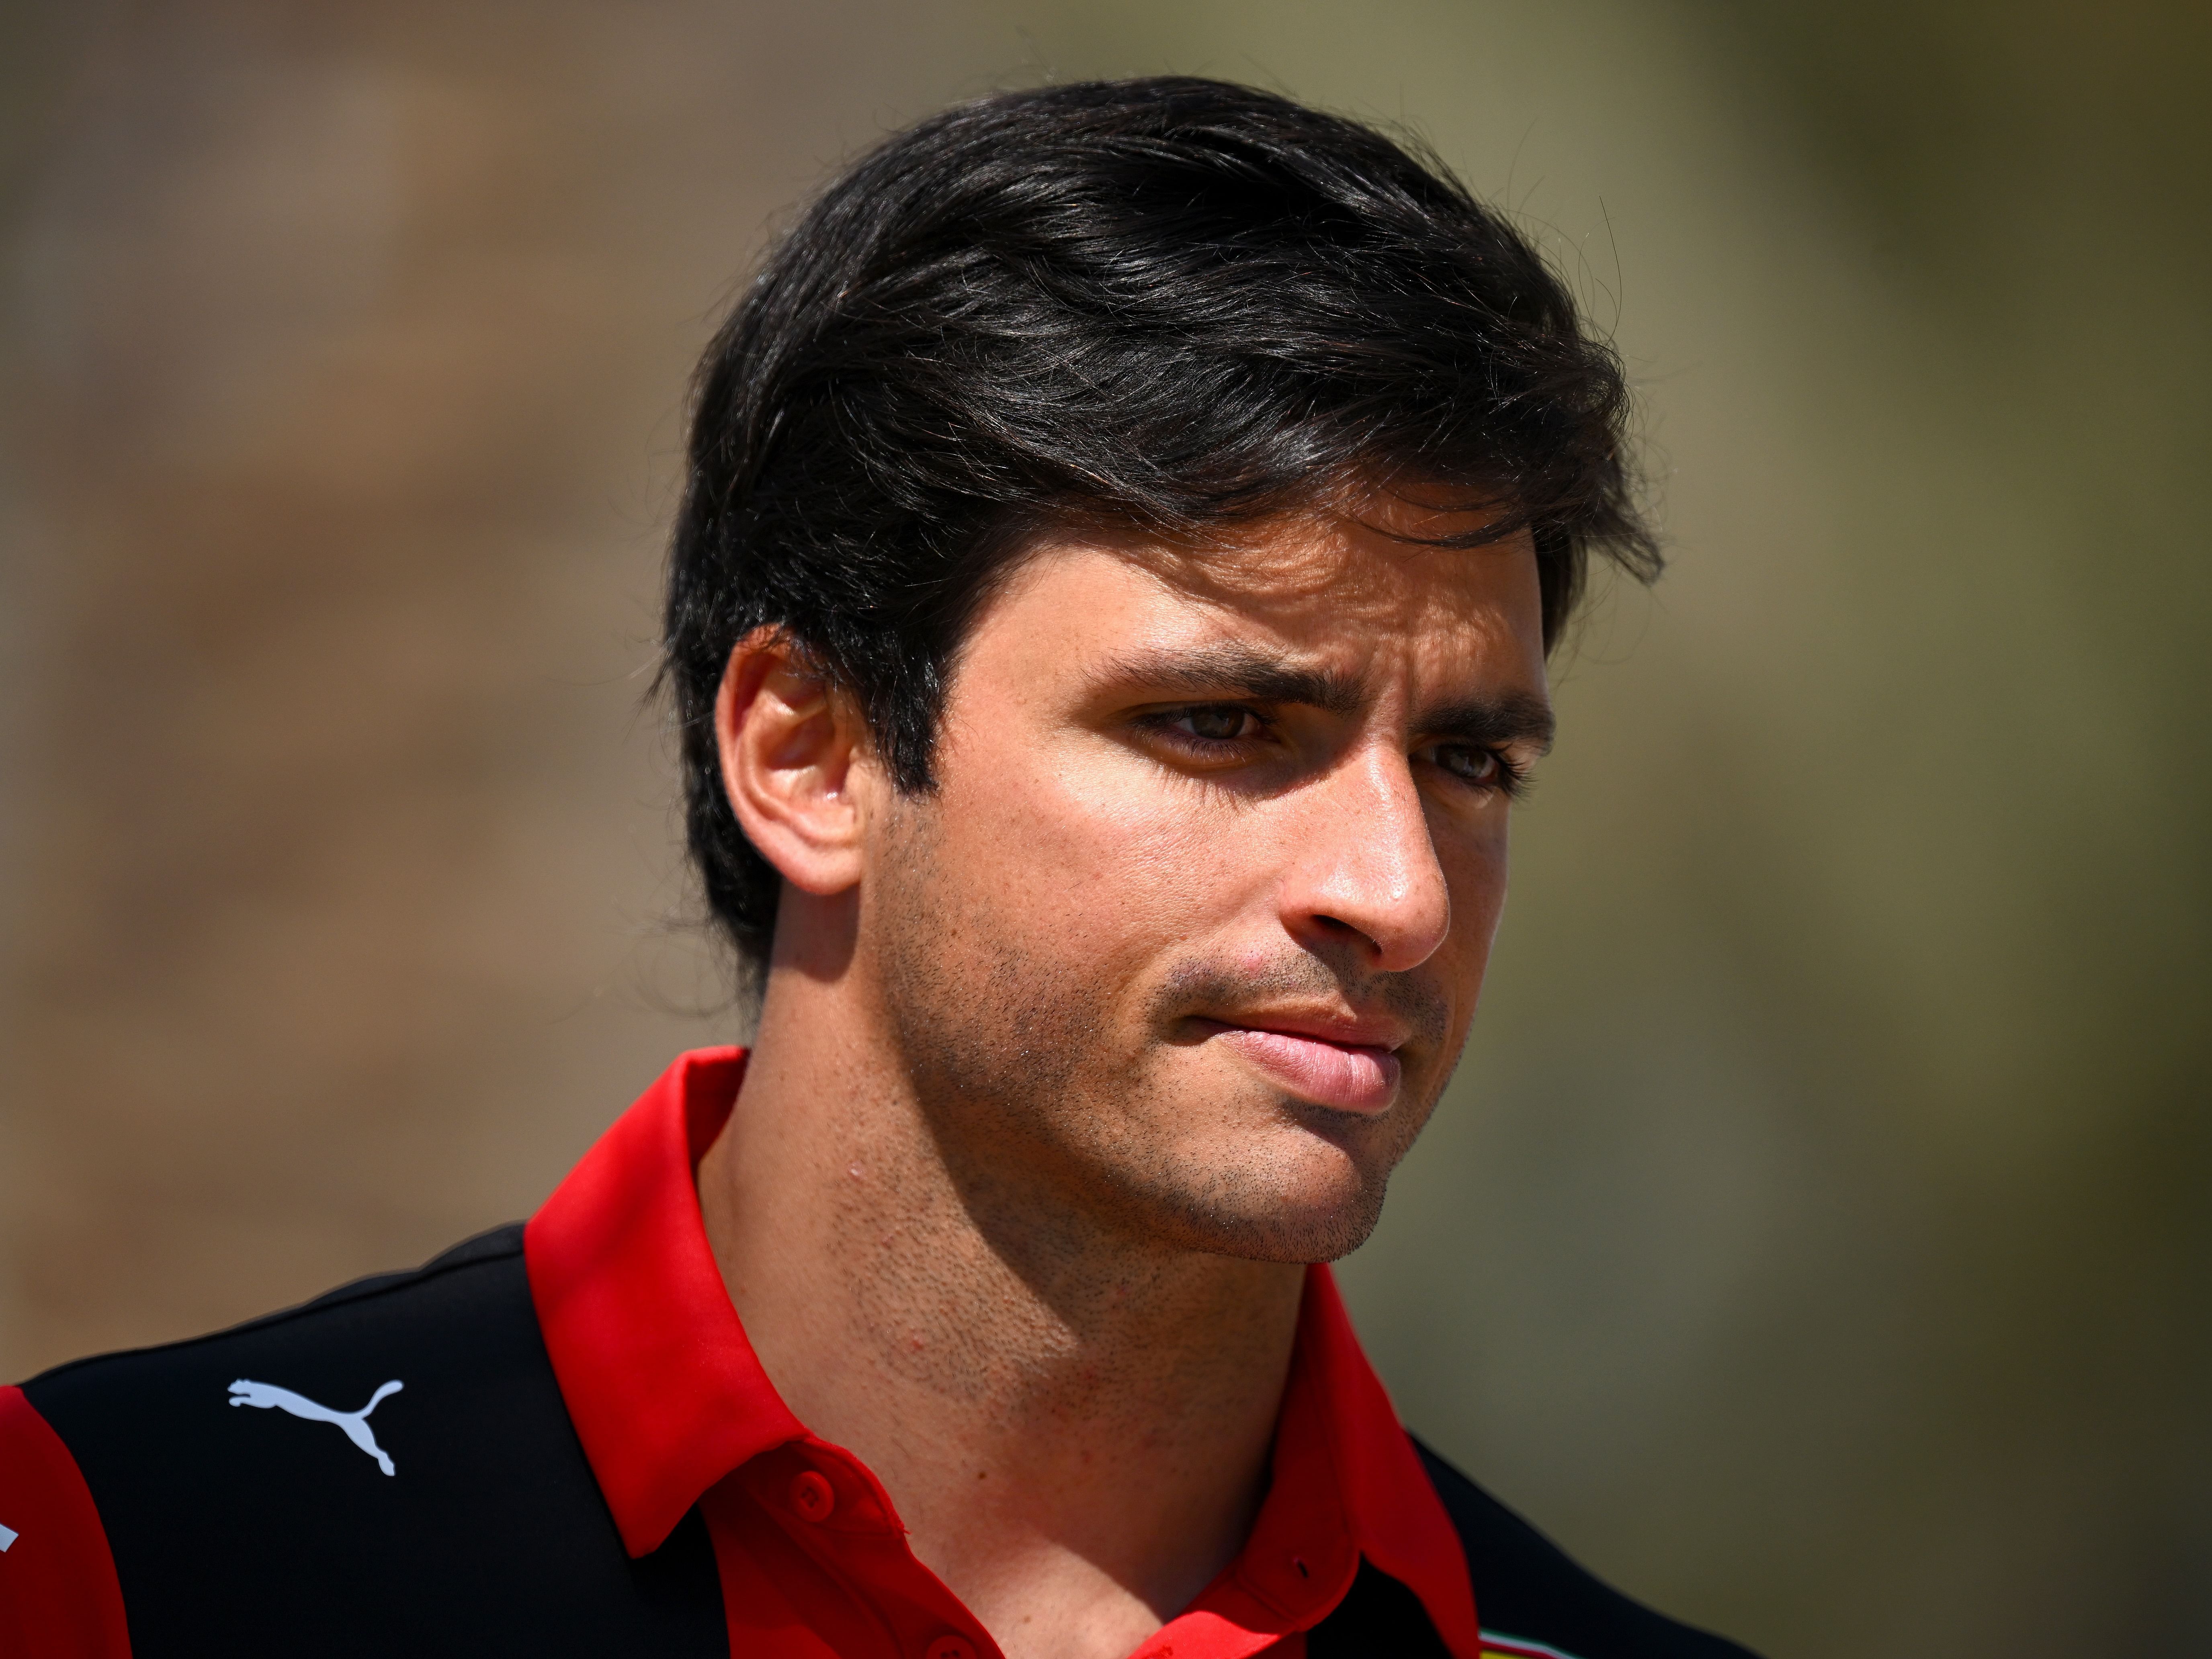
pixel 1817 1237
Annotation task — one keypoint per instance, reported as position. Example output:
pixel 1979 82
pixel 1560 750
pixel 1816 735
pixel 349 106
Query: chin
pixel 1308 1201
pixel 1313 1235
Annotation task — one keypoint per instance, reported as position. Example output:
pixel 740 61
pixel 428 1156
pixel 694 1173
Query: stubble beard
pixel 1054 1126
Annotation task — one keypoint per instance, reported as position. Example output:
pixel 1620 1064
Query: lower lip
pixel 1344 1076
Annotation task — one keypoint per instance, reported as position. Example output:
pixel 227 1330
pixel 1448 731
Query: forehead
pixel 1357 592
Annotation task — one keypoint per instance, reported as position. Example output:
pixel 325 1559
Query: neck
pixel 1074 1422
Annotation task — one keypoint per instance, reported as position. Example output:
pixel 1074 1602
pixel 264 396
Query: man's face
pixel 1188 939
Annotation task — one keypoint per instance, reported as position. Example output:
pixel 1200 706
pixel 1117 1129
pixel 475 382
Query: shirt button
pixel 812 1495
pixel 950 1647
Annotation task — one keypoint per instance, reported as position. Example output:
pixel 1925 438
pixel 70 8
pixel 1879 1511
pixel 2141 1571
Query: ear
pixel 793 750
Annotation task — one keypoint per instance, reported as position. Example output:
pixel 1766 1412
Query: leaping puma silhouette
pixel 355 1424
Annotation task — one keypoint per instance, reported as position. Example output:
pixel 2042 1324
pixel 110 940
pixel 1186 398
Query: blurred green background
pixel 1816 1239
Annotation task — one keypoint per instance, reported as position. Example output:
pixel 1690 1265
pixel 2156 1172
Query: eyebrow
pixel 1488 722
pixel 1510 717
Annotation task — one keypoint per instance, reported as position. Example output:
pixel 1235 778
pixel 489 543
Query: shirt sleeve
pixel 60 1598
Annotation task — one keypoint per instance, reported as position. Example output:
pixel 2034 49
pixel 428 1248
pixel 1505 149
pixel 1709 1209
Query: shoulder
pixel 319 1386
pixel 125 1470
pixel 1533 1599
pixel 388 1468
pixel 479 1285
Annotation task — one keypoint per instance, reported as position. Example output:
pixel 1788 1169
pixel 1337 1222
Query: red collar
pixel 667 1396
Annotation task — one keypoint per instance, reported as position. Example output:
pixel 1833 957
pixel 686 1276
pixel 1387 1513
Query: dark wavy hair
pixel 1173 305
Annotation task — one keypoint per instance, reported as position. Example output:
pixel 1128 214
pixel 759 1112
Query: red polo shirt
pixel 674 1410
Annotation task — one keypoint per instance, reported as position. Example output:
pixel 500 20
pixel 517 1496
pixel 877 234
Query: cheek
pixel 1474 867
pixel 1097 859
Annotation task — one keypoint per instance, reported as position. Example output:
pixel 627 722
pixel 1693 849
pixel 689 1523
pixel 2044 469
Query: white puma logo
pixel 355 1424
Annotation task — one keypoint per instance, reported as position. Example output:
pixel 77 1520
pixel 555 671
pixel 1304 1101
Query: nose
pixel 1365 868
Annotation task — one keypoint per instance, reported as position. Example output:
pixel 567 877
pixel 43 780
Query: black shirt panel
pixel 250 1531
pixel 1378 1619
pixel 1526 1587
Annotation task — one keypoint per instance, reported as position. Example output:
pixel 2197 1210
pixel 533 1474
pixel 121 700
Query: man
pixel 1106 628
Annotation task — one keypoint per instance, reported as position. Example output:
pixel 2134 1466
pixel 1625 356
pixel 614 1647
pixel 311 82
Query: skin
pixel 1067 1067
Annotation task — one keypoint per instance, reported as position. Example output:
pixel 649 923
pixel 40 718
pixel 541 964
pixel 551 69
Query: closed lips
pixel 1348 1077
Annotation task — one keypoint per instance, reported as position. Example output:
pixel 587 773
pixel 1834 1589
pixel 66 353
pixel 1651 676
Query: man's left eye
pixel 1475 765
